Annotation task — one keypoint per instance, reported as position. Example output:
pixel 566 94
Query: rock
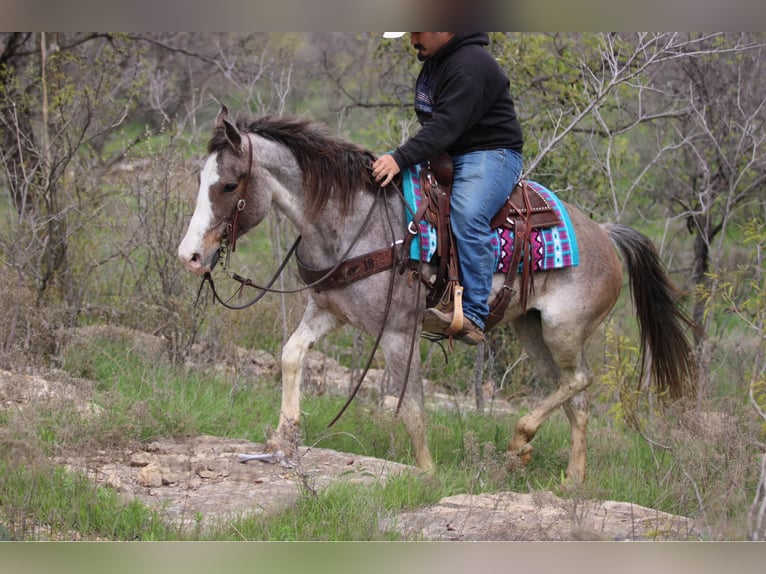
pixel 111 478
pixel 537 516
pixel 140 459
pixel 200 481
pixel 150 476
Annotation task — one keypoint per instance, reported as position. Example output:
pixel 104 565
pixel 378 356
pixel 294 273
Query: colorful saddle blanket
pixel 554 247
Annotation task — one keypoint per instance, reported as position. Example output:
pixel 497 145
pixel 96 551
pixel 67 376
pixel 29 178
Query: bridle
pixel 245 282
pixel 241 203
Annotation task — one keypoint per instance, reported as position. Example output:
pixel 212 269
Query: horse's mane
pixel 331 166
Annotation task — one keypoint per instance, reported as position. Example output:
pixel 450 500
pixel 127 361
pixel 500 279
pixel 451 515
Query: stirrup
pixel 458 320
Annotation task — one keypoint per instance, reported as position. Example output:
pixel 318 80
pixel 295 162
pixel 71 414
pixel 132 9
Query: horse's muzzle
pixel 196 265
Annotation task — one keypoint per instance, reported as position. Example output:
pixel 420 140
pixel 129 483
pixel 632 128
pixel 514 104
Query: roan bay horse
pixel 323 184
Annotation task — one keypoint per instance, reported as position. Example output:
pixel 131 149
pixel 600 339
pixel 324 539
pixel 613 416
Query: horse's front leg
pixel 315 324
pixel 396 347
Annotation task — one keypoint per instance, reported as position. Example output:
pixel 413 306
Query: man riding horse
pixel 463 103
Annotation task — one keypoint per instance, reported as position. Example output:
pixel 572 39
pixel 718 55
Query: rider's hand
pixel 384 169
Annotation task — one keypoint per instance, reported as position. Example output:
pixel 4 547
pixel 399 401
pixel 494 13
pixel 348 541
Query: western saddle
pixel 524 211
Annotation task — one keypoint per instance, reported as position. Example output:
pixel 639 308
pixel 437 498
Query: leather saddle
pixel 524 210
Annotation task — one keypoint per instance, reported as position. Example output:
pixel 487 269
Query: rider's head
pixel 429 43
pixel 426 43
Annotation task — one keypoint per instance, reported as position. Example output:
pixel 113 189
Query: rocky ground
pixel 200 481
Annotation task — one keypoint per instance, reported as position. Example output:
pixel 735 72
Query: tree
pixel 57 93
pixel 719 174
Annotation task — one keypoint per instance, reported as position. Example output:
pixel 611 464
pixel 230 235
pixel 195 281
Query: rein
pixel 245 282
pixel 208 278
pixel 389 297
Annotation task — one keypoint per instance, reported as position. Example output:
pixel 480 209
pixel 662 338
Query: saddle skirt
pixel 552 247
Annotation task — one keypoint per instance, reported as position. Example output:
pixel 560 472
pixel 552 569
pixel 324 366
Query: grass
pixel 55 504
pixel 142 397
pixel 341 512
pixel 147 400
pixel 344 511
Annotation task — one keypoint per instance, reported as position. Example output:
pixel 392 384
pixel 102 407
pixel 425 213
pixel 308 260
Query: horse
pixel 323 184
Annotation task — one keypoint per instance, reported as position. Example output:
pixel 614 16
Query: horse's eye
pixel 229 187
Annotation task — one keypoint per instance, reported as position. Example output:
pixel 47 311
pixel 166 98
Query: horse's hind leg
pixel 314 325
pixel 576 410
pixel 570 395
pixel 528 329
pixel 558 357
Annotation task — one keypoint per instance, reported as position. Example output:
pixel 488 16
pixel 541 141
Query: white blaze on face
pixel 191 248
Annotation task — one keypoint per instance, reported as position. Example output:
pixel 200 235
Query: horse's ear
pixel 232 135
pixel 230 131
pixel 222 115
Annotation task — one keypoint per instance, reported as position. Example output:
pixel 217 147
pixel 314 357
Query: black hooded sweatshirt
pixel 463 103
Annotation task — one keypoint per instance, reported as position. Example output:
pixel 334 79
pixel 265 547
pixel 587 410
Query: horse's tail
pixel 661 320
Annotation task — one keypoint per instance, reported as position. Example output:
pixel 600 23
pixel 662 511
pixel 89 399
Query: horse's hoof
pixel 525 453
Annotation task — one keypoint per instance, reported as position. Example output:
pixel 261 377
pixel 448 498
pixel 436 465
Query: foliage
pixel 76 98
pixel 622 389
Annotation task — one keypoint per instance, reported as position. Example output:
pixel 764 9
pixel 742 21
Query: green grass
pixel 146 400
pixel 52 503
pixel 341 512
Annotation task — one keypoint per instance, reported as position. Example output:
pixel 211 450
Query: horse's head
pixel 227 203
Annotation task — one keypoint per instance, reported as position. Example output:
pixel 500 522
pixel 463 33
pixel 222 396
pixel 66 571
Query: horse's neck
pixel 333 235
pixel 330 234
pixel 365 229
pixel 279 172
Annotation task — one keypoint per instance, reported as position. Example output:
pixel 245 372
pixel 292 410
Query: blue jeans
pixel 482 181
